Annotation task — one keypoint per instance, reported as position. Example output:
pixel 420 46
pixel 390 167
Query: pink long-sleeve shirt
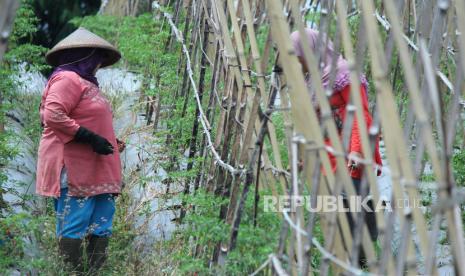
pixel 69 102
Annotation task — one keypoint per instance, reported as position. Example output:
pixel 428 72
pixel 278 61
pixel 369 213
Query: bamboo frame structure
pixel 236 122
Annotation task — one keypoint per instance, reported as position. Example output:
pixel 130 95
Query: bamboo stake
pixel 7 15
pixel 459 251
pixel 385 95
pixel 195 128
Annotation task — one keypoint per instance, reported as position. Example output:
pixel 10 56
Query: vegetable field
pixel 227 168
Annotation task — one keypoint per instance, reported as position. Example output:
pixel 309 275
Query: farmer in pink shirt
pixel 79 163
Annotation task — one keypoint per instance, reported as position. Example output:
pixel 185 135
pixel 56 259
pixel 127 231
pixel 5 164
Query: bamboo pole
pixel 7 15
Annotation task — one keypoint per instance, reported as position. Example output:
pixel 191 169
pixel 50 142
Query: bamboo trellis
pixel 426 39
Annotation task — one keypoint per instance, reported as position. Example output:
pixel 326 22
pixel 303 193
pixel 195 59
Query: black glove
pixel 99 144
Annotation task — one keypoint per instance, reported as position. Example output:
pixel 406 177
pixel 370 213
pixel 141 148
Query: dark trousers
pixel 369 217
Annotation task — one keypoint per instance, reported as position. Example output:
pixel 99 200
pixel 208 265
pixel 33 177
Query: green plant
pixel 21 55
pixel 204 227
pixel 458 165
pixel 20 237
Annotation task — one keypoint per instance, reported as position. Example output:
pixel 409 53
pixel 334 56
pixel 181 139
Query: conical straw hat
pixel 82 38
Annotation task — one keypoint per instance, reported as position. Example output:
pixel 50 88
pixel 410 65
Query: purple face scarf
pixel 82 61
pixel 342 66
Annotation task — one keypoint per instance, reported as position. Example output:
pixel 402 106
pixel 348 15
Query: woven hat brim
pixel 112 56
pixel 83 38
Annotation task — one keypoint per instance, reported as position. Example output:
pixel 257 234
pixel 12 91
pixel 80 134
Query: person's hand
pixel 121 145
pixel 98 143
pixel 101 145
pixel 353 160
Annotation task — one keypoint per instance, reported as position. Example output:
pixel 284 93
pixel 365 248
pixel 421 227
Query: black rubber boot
pixel 96 253
pixel 71 250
